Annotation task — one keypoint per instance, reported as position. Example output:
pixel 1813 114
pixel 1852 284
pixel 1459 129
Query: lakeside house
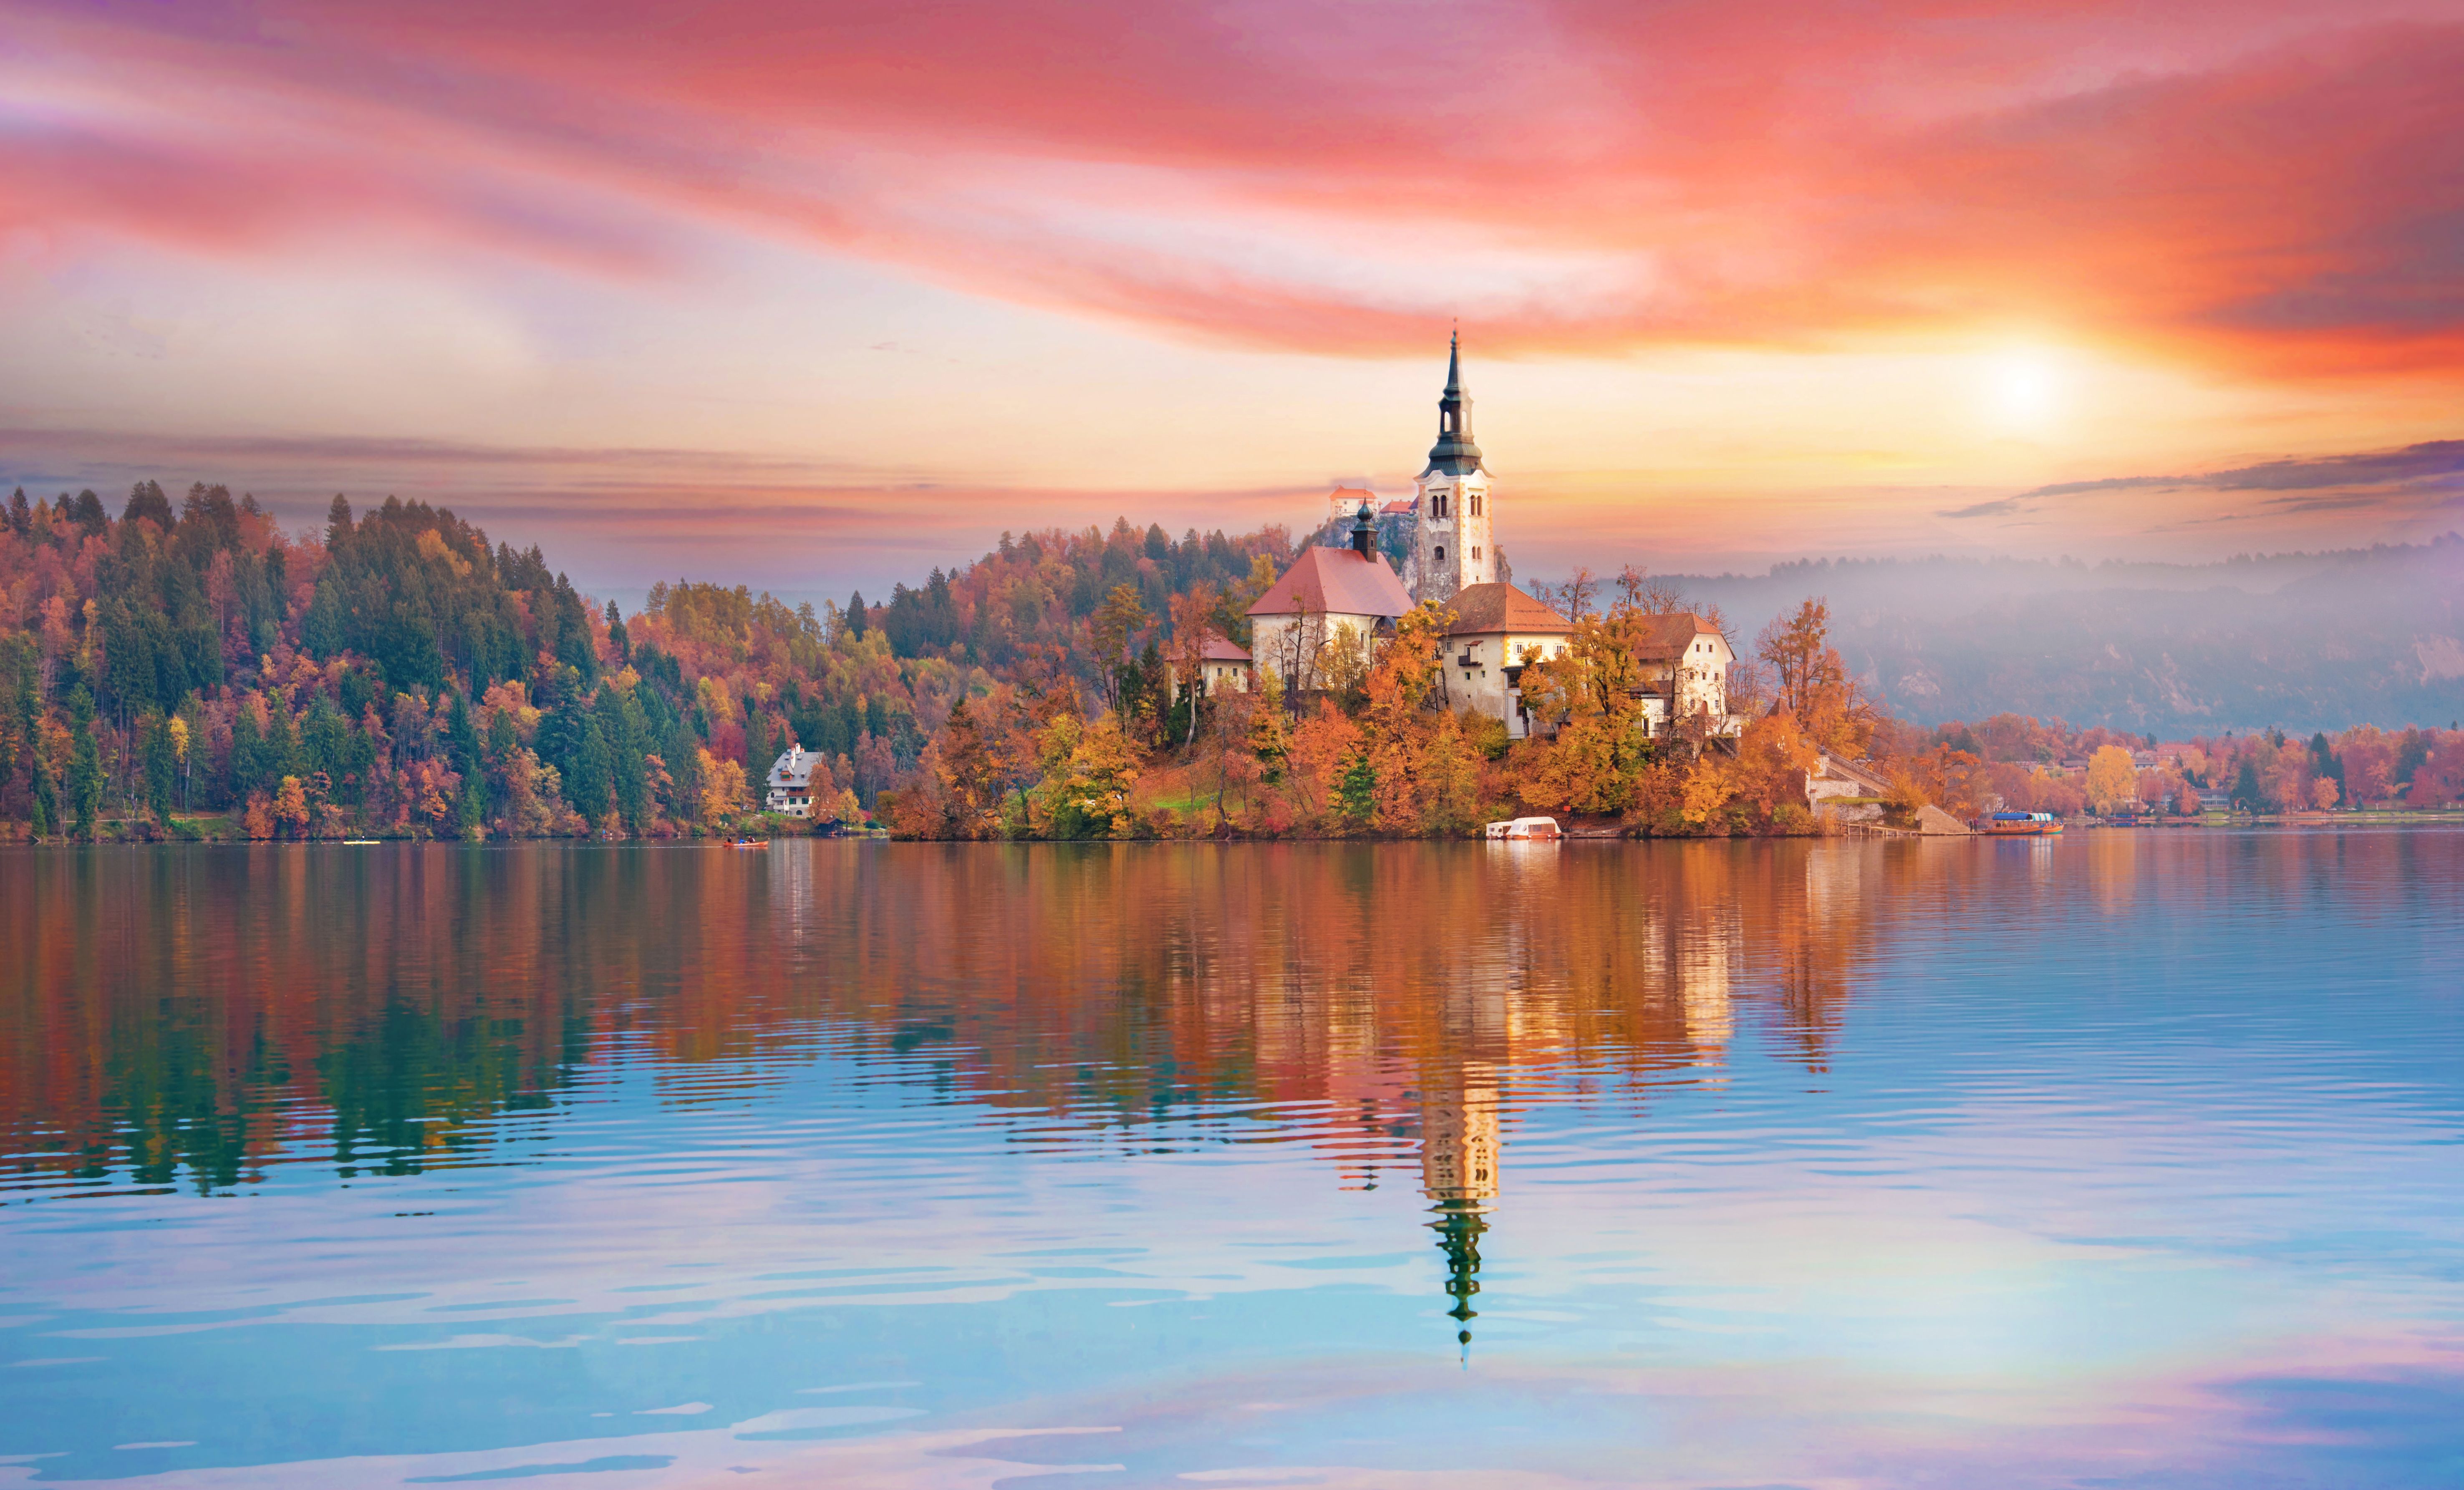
pixel 791 784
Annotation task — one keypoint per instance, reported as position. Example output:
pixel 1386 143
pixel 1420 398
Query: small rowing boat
pixel 750 843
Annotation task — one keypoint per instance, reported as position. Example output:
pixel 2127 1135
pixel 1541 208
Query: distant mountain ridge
pixel 2300 641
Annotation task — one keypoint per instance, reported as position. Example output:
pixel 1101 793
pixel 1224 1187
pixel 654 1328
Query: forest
pixel 191 670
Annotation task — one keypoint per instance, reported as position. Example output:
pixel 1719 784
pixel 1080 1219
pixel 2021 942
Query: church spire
pixel 1454 453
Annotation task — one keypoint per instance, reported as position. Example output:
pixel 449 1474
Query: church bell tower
pixel 1455 546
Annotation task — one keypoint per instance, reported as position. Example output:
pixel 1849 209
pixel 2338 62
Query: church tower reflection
pixel 1472 1044
pixel 1459 1176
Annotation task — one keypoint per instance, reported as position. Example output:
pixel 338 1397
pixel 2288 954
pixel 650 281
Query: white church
pixel 1349 598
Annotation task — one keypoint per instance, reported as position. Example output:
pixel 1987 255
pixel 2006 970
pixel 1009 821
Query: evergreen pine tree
pixel 461 737
pixel 471 808
pixel 162 768
pixel 586 784
pixel 758 755
pixel 320 632
pixel 85 779
pixel 47 802
pixel 1357 791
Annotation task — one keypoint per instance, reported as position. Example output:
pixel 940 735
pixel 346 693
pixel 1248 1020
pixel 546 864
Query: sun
pixel 2026 390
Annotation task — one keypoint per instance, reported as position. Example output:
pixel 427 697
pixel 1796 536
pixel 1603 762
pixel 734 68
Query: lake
pixel 2127 1159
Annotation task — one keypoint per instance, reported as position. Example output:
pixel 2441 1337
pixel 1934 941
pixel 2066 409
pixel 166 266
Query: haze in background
pixel 812 296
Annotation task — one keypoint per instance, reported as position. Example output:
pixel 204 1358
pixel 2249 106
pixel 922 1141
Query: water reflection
pixel 1030 1124
pixel 202 1013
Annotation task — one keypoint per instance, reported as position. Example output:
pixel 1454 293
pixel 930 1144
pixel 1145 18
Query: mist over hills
pixel 2300 641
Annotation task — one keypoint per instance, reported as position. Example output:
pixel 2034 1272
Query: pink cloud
pixel 2252 184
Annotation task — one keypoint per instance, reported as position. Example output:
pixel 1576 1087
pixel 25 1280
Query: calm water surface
pixel 2130 1159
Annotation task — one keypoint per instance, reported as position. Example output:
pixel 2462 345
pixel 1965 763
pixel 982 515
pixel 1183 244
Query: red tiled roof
pixel 1352 496
pixel 1397 508
pixel 1336 582
pixel 1220 649
pixel 1483 609
pixel 1668 636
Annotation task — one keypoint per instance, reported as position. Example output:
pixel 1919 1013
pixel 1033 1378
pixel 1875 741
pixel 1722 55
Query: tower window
pixel 1441 552
pixel 1474 511
pixel 1475 552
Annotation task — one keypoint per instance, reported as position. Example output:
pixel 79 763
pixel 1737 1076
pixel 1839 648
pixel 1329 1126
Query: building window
pixel 1474 511
pixel 1474 551
pixel 1441 553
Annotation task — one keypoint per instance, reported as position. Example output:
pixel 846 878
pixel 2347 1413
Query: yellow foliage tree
pixel 722 788
pixel 2111 777
pixel 291 804
pixel 1086 792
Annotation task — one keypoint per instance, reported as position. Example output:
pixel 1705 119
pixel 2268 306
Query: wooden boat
pixel 2021 825
pixel 749 843
pixel 1526 828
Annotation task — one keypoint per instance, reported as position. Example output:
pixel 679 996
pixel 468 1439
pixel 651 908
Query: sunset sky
pixel 813 296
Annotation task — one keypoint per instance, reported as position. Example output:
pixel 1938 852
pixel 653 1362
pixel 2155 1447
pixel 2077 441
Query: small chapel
pixel 1351 596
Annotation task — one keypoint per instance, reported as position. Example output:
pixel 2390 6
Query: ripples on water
pixel 2125 1159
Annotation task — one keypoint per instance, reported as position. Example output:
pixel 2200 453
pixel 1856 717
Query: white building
pixel 1332 599
pixel 1685 663
pixel 1344 501
pixel 791 784
pixel 1225 667
pixel 1498 628
pixel 1222 667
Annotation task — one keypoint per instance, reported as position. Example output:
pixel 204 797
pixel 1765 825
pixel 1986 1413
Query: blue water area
pixel 2127 1158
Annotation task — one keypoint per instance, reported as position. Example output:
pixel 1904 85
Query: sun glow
pixel 2027 390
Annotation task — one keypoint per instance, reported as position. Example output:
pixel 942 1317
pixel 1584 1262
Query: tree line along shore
pixel 189 670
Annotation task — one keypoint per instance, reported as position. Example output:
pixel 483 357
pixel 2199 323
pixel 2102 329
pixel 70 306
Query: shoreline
pixel 13 836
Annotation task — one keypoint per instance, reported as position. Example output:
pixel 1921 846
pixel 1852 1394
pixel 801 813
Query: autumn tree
pixel 1194 620
pixel 722 789
pixel 290 803
pixel 1589 697
pixel 2111 779
pixel 1396 723
pixel 1112 637
pixel 1798 650
pixel 1813 682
